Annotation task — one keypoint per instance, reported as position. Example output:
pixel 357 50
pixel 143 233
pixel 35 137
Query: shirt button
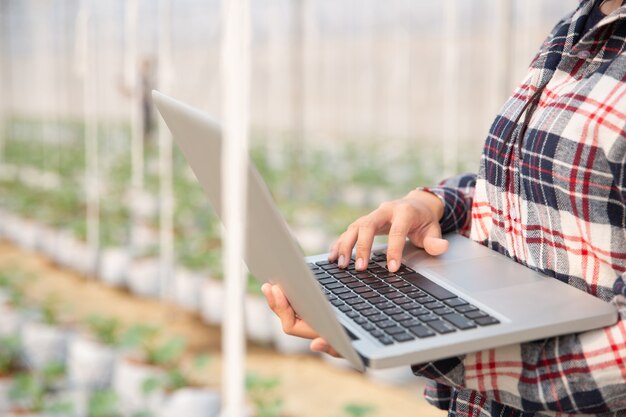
pixel 584 54
pixel 513 213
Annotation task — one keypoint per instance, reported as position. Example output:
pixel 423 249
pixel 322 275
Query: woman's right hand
pixel 415 216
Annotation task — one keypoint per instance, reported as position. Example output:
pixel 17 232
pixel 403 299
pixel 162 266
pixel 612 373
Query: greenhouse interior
pixel 113 296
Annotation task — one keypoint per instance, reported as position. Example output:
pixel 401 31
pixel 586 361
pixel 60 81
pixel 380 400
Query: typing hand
pixel 292 324
pixel 415 216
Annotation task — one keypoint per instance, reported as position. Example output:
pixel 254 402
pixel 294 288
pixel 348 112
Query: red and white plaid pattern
pixel 551 195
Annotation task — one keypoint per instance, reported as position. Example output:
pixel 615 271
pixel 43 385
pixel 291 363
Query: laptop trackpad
pixel 486 273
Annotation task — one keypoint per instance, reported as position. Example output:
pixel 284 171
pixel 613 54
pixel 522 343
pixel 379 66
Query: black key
pixel 376 270
pixel 355 284
pixel 411 305
pixel 386 290
pixel 428 317
pixel 343 275
pixel 442 310
pixel 394 330
pixel 392 280
pixel 385 323
pixel 393 295
pixel 459 321
pixel 377 333
pixel 311 265
pixel 403 337
pixel 400 284
pixel 349 280
pixel 378 285
pixel 353 301
pixel 441 326
pixel 475 314
pixel 363 289
pixel 427 285
pixel 361 306
pixel 425 299
pixel 455 302
pixel 369 295
pixel 326 281
pixel 466 308
pixel 334 271
pixel 386 274
pixel 433 305
pixel 385 340
pixel 377 300
pixel 360 320
pixel 328 266
pixel 415 294
pixel 421 331
pixel 319 274
pixel 386 305
pixel 320 263
pixel 341 290
pixel 392 311
pixel 347 295
pixel 368 326
pixel 363 275
pixel 344 308
pixel 369 311
pixel 370 281
pixel 337 303
pixel 330 296
pixel 408 289
pixel 352 314
pixel 404 270
pixel 487 321
pixel 402 301
pixel 419 311
pixel 401 316
pixel 410 322
pixel 334 284
pixel 377 317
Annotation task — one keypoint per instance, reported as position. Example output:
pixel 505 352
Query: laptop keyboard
pixel 396 307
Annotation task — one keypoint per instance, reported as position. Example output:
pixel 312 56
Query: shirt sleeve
pixel 456 193
pixel 576 373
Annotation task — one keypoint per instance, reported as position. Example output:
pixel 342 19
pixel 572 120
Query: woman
pixel 551 194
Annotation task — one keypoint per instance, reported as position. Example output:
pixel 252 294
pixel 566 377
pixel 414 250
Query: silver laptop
pixel 468 299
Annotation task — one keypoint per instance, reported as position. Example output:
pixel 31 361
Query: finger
pixel 292 325
pixel 367 230
pixel 433 243
pixel 321 345
pixel 345 244
pixel 397 239
pixel 430 239
pixel 266 289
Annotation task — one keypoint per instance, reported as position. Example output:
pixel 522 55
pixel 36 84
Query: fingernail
pixel 342 259
pixel 359 264
pixel 393 265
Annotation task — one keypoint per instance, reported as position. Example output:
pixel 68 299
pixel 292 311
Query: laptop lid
pixel 271 253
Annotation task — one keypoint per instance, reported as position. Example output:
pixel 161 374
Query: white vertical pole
pixel 165 153
pixel 136 139
pixel 88 68
pixel 450 88
pixel 235 54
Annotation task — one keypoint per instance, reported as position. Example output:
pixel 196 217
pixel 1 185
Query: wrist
pixel 434 201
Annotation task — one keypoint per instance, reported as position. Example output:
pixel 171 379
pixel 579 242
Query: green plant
pixel 146 339
pixel 262 393
pixel 50 310
pixel 31 391
pixel 10 349
pixel 104 403
pixel 358 410
pixel 107 330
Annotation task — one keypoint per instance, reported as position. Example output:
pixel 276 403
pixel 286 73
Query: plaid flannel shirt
pixel 552 196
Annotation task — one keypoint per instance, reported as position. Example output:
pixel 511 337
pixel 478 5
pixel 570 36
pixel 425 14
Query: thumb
pixel 432 242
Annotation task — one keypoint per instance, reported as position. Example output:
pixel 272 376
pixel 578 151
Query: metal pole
pixel 235 54
pixel 165 153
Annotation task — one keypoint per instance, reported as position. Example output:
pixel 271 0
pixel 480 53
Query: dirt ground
pixel 309 386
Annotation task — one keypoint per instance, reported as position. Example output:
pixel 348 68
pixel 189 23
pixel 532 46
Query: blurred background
pixel 104 226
